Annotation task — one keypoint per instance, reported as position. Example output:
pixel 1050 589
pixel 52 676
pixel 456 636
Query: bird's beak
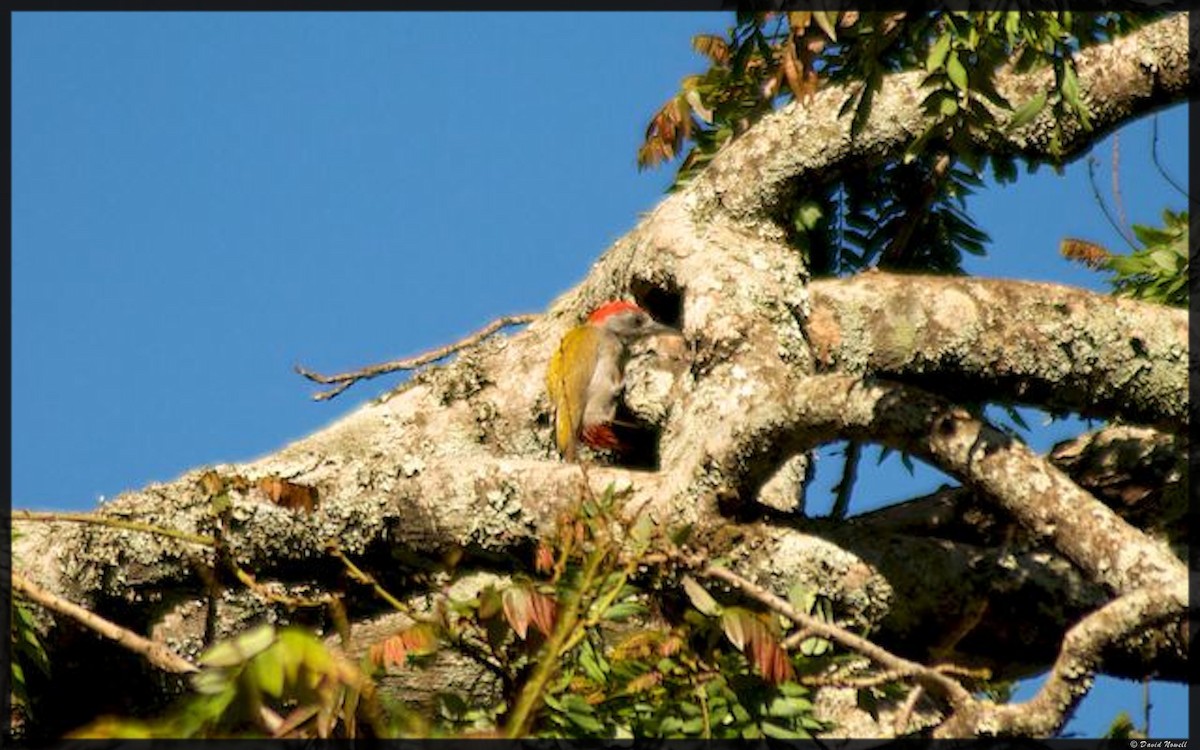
pixel 660 329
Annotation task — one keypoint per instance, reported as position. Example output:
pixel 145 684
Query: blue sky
pixel 201 201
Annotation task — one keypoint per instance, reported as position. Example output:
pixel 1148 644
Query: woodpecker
pixel 586 374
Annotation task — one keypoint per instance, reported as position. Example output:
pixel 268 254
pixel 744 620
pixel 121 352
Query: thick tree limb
pixel 1138 472
pixel 1055 347
pixel 1134 74
pixel 1071 677
pixel 1043 499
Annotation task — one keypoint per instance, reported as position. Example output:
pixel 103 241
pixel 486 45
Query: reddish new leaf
pixel 543 611
pixel 748 632
pixel 517 609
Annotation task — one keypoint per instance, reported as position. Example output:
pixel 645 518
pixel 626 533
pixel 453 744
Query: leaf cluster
pixel 264 682
pixel 907 212
pixel 26 654
pixel 603 641
pixel 1157 268
pixel 590 651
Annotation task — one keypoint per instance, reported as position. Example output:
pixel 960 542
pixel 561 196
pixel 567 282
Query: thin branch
pixel 930 678
pixel 264 591
pixel 904 715
pixel 1116 188
pixel 346 379
pixel 841 502
pixel 156 653
pixel 1078 660
pixel 1146 705
pixel 365 578
pixel 1161 169
pixel 884 677
pixel 1091 165
pixel 116 523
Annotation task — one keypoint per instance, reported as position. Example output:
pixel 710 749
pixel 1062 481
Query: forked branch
pixel 344 380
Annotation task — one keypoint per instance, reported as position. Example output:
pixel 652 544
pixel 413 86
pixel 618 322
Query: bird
pixel 586 375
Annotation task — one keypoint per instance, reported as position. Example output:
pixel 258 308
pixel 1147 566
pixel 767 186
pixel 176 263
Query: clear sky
pixel 201 201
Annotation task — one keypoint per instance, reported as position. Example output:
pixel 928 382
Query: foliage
pixel 907 212
pixel 590 652
pixel 1122 728
pixel 262 683
pixel 584 649
pixel 26 651
pixel 1155 272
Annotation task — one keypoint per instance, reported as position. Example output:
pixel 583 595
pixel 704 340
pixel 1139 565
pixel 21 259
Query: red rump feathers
pixel 612 308
pixel 600 436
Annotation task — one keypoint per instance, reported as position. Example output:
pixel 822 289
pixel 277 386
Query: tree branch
pixel 1046 345
pixel 156 653
pixel 925 676
pixel 1040 497
pixel 1137 73
pixel 1071 677
pixel 346 379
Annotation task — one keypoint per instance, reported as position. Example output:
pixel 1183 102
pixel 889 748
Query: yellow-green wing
pixel 567 381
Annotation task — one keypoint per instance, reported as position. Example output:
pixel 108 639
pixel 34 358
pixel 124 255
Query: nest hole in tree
pixel 662 299
pixel 640 441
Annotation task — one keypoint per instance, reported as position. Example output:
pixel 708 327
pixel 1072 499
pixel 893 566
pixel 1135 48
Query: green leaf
pixel 210 681
pixel 937 53
pixel 1166 259
pixel 1012 24
pixel 956 72
pixel 681 534
pixel 1070 87
pixel 807 215
pixel 782 733
pixel 1027 111
pixel 622 611
pixel 238 650
pixel 700 598
pixel 267 672
pixel 581 714
pixel 643 530
pixel 825 19
pixel 590 662
pixel 1151 235
pixel 785 708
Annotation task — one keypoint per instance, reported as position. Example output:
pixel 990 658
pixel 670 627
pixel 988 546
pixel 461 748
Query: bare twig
pixel 365 578
pixel 116 523
pixel 904 715
pixel 1161 169
pixel 346 379
pixel 931 678
pixel 1146 705
pixel 267 594
pixel 884 677
pixel 156 653
pixel 1091 165
pixel 1116 188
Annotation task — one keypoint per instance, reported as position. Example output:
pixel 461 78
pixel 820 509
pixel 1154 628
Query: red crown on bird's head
pixel 611 308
